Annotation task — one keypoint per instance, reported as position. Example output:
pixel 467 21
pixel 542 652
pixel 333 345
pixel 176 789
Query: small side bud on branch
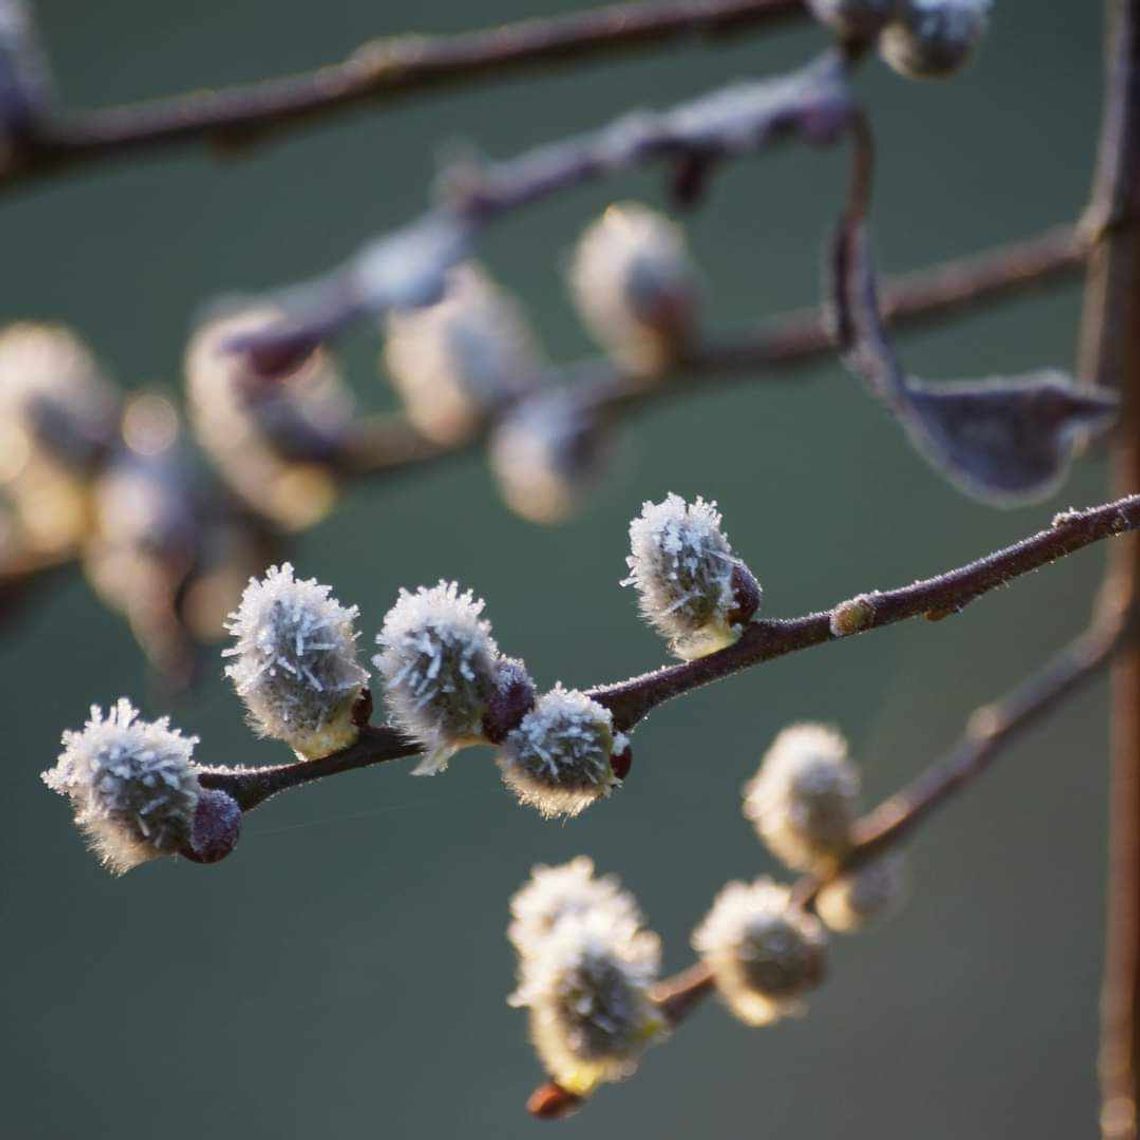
pixel 215 828
pixel 853 615
pixel 635 287
pixel 690 586
pixel 803 801
pixel 462 359
pixel 931 39
pixel 765 954
pixel 560 758
pixel 295 664
pixel 131 784
pixel 865 895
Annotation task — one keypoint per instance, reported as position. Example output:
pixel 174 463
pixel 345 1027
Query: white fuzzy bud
pixel 930 39
pixel 587 990
pixel 690 587
pixel 865 895
pixel 456 362
pixel 295 663
pixel 764 953
pixel 272 439
pixel 803 801
pixel 635 287
pixel 438 666
pixel 547 454
pixel 560 758
pixel 552 894
pixel 131 784
pixel 853 19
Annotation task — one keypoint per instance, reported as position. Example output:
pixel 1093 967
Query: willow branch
pixel 631 701
pixel 914 300
pixel 378 71
pixel 989 732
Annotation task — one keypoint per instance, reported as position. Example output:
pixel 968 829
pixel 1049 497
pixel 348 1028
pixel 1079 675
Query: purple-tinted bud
pixel 511 699
pixel 215 828
pixel 746 593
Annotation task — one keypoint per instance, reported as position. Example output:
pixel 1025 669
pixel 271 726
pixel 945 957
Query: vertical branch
pixel 1110 354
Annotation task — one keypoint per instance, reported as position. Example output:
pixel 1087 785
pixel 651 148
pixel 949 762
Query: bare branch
pixel 378 71
pixel 989 731
pixel 631 701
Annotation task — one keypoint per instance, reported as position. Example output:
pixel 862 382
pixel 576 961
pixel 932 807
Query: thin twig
pixel 790 340
pixel 631 701
pixel 378 71
pixel 989 731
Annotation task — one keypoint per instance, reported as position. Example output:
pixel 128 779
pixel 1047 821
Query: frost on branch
pixel 803 801
pixel 691 588
pixel 930 39
pixel 547 454
pixel 862 896
pixel 556 893
pixel 560 759
pixel 764 953
pixel 274 440
pixel 294 662
pixel 460 360
pixel 131 784
pixel 439 665
pixel 635 287
pixel 586 986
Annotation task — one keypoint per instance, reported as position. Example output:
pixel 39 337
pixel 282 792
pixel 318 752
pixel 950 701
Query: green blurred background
pixel 345 973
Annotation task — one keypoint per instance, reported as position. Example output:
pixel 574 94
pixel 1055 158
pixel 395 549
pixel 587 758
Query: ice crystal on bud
pixel 587 990
pixel 295 663
pixel 635 287
pixel 691 588
pixel 456 361
pixel 860 897
pixel 547 454
pixel 764 953
pixel 559 759
pixel 803 799
pixel 556 893
pixel 853 19
pixel 438 663
pixel 934 38
pixel 131 783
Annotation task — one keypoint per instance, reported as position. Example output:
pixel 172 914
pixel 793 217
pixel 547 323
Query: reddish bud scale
pixel 621 762
pixel 552 1102
pixel 512 699
pixel 746 594
pixel 215 829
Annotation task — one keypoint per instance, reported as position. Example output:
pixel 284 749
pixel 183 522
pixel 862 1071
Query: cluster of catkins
pixel 294 664
pixel 587 966
pixel 921 39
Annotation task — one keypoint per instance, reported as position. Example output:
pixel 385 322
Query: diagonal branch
pixel 378 71
pixel 989 731
pixel 631 701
